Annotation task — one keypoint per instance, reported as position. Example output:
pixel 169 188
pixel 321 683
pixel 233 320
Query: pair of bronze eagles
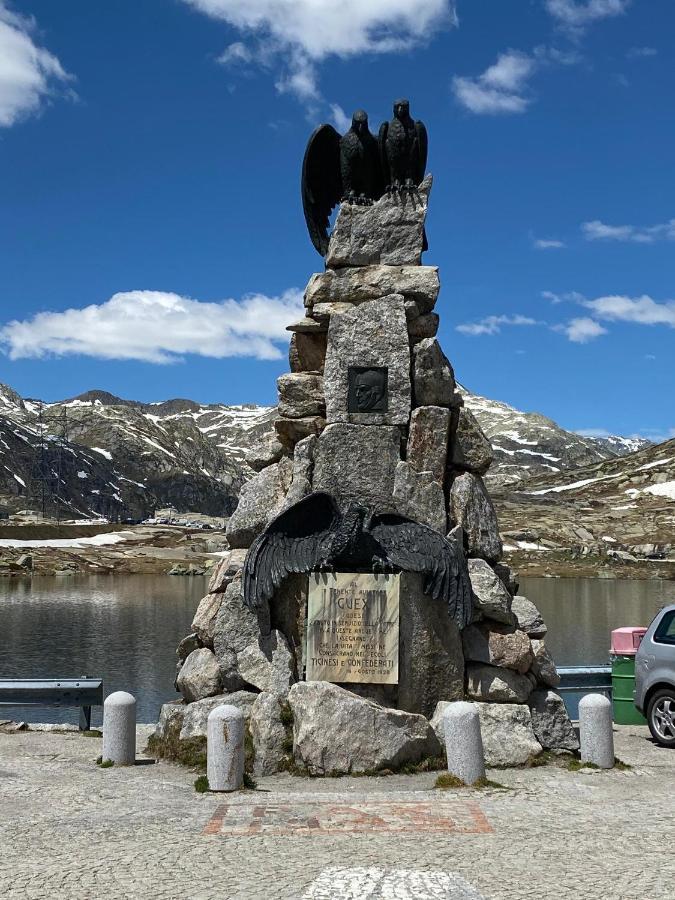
pixel 359 168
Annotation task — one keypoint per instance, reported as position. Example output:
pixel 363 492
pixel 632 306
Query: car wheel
pixel 661 717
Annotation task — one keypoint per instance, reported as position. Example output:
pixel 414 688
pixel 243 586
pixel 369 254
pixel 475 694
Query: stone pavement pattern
pixel 69 829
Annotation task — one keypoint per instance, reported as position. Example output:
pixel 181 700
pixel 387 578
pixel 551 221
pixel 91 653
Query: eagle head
pixel 401 108
pixel 360 121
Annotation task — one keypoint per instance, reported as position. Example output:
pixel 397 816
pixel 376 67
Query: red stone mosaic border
pixel 337 817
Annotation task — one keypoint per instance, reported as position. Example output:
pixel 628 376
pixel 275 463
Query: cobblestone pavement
pixel 69 829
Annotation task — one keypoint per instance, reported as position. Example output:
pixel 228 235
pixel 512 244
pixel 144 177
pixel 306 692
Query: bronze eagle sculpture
pixel 315 535
pixel 403 146
pixel 338 169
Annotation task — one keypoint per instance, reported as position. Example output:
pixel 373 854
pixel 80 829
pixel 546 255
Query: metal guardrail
pixel 83 692
pixel 575 681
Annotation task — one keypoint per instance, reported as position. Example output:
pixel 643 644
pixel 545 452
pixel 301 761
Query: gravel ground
pixel 69 829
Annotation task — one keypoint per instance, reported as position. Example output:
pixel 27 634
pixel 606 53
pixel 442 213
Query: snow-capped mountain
pixel 97 454
pixel 527 445
pixel 102 455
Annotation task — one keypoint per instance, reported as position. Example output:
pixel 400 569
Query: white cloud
pixel 158 327
pixel 303 33
pixel 493 324
pixel 578 15
pixel 568 297
pixel 641 310
pixel 28 73
pixel 641 52
pixel 301 79
pixel 235 53
pixel 340 118
pixel 637 234
pixel 582 330
pixel 548 244
pixel 500 88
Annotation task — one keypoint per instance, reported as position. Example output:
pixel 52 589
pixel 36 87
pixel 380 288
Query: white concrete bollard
pixel 225 748
pixel 595 731
pixel 463 741
pixel 119 728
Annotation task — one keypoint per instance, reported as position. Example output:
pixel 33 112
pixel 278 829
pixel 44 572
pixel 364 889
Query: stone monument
pixel 348 668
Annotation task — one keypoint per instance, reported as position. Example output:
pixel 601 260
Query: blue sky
pixel 151 234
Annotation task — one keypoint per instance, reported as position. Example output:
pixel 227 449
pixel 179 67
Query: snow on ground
pixel 158 446
pixel 514 436
pixel 666 489
pixel 526 452
pixel 576 484
pixel 106 453
pixel 652 465
pixel 96 540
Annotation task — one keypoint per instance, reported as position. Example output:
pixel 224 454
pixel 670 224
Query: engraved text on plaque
pixel 352 628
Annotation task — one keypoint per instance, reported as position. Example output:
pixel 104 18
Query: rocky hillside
pixel 105 456
pixel 527 445
pixel 619 509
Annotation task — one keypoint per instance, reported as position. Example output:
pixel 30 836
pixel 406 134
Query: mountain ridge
pixel 97 454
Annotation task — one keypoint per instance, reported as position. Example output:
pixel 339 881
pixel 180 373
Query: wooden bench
pixel 83 692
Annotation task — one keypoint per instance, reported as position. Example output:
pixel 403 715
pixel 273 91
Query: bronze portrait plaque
pixel 367 389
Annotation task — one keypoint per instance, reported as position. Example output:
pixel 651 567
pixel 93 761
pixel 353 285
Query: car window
pixel 665 632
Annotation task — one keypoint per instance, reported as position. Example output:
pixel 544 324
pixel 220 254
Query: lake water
pixel 582 612
pixel 126 629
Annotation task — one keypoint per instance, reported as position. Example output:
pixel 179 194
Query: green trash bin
pixel 623 688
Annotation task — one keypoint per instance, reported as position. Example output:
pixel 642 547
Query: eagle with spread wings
pixel 315 535
pixel 339 168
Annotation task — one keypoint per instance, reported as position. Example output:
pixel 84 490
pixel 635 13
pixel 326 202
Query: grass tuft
pixel 202 784
pixel 250 784
pixel 488 783
pixel 104 763
pixel 286 715
pixel 574 765
pixel 447 780
pixel 539 759
pixel 191 752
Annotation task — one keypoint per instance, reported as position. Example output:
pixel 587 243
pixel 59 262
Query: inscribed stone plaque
pixel 352 628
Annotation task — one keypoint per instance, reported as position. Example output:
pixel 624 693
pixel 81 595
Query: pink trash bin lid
pixel 627 640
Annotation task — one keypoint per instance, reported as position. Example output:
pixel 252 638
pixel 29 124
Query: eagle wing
pixel 292 542
pixel 418 548
pixel 321 183
pixel 384 160
pixel 423 145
